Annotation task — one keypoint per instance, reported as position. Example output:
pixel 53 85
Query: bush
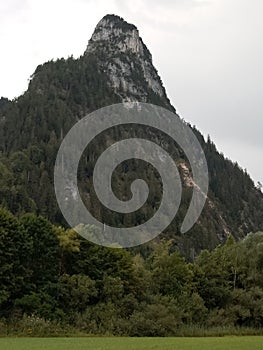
pixel 38 327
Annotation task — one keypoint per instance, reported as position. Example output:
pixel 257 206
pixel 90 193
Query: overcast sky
pixel 209 54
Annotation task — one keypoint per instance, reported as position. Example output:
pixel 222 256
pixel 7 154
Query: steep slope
pixel 115 67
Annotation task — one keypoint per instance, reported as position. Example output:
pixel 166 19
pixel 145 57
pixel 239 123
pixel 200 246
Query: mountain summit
pixel 126 60
pixel 116 67
pixel 115 32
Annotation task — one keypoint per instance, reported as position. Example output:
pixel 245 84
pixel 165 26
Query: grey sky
pixel 209 54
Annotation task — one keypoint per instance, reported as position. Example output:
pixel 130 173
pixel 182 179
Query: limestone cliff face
pixel 128 62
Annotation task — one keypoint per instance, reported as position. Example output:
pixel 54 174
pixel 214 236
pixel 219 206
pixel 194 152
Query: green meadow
pixel 90 343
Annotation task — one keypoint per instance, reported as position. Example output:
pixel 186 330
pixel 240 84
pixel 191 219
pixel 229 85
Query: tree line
pixel 51 275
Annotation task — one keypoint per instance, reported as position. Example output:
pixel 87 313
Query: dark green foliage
pixel 45 253
pixel 53 274
pixel 15 245
pixel 75 292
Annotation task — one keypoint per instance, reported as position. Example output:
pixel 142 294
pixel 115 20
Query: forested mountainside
pixel 116 67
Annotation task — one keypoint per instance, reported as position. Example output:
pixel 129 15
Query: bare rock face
pixel 113 28
pixel 125 59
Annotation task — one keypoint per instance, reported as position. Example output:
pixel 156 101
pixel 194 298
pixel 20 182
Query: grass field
pixel 222 343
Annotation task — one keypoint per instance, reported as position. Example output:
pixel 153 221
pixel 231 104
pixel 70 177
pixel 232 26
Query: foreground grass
pixel 215 343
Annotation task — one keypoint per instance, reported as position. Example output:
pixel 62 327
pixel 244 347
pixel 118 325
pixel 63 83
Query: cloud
pixel 150 4
pixel 12 6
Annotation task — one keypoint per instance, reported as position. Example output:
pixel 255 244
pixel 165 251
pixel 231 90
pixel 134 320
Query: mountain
pixel 116 67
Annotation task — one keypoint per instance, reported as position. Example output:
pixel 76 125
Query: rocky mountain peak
pixel 118 35
pixel 125 59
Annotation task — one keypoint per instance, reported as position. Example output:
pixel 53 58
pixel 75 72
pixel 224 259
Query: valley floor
pixel 92 343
